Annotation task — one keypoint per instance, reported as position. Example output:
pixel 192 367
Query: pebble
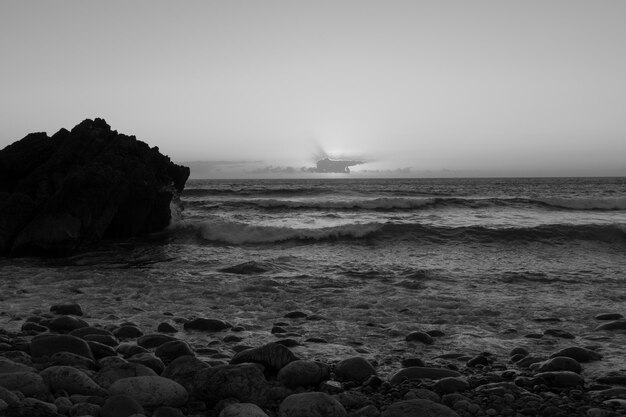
pixel 67 309
pixel 578 353
pixel 67 323
pixel 114 372
pixel 557 363
pixel 613 325
pixel 154 340
pixel 559 333
pixel 165 327
pixel 127 332
pixel 169 351
pixel 609 316
pixel 151 391
pixel 560 379
pixel 450 384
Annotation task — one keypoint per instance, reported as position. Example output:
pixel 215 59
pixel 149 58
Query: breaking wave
pixel 230 232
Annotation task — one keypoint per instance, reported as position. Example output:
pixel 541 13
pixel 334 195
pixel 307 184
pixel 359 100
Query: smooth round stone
pixel 418 372
pixel 151 391
pixel 110 361
pixel 579 354
pixel 296 315
pixel 8 366
pixel 529 360
pixel 112 373
pixel 149 360
pixel 70 380
pixel 356 369
pixel 311 404
pixel 560 379
pixel 105 339
pixel 272 356
pixel 154 340
pixel 559 333
pixel 408 362
pixel 245 382
pixel 167 412
pixel 613 325
pixel 120 406
pixel 127 332
pixel 101 350
pixel 63 405
pixel 166 328
pixel 67 323
pixel 130 349
pixel 242 410
pixel 301 373
pixel 518 351
pixel 85 409
pixel 421 337
pixel 207 325
pixel 71 359
pixel 49 344
pixel 39 405
pixel 85 331
pixel 609 316
pixel 169 351
pixel 67 309
pixel 419 407
pixel 450 384
pixel 558 363
pixel 30 384
pixel 478 360
pixel 183 370
pixel 9 397
pixel 33 327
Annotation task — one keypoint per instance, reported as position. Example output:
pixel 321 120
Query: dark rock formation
pixel 67 192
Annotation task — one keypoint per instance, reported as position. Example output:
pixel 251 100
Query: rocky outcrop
pixel 67 192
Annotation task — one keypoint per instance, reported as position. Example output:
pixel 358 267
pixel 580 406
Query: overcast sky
pixel 461 85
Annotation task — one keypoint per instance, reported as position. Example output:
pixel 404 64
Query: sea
pixel 491 262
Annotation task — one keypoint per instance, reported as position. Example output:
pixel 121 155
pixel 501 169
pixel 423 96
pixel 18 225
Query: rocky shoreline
pixel 58 364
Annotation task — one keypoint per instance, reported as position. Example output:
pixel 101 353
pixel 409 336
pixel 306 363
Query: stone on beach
pixel 609 316
pixel 356 369
pixel 207 325
pixel 244 382
pixel 127 332
pixel 8 366
pixel 301 373
pixel 417 372
pixel 311 404
pixel 450 384
pixel 112 373
pixel 149 360
pixel 28 383
pixel 49 344
pixel 418 407
pixel 612 325
pixel 151 391
pixel 154 340
pixel 242 410
pixel 121 406
pixel 67 309
pixel 183 370
pixel 71 359
pixel 86 331
pixel 580 354
pixel 422 337
pixel 70 380
pixel 557 363
pixel 560 379
pixel 169 351
pixel 272 356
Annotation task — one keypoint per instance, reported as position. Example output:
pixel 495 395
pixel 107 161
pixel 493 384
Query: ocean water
pixel 487 261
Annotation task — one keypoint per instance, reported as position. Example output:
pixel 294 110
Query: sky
pixel 494 86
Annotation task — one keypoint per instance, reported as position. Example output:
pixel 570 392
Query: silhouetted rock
pixel 63 193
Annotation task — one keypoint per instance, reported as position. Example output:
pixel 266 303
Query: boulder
pixel 302 373
pixel 207 325
pixel 149 360
pixel 272 356
pixel 558 363
pixel 580 354
pixel 67 309
pixel 30 384
pixel 67 323
pixel 121 406
pixel 417 372
pixel 245 382
pixel 150 341
pixel 70 380
pixel 8 366
pixel 183 370
pixel 559 379
pixel 356 369
pixel 169 351
pixel 311 404
pixel 112 373
pixel 49 344
pixel 242 410
pixel 418 407
pixel 69 191
pixel 151 391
